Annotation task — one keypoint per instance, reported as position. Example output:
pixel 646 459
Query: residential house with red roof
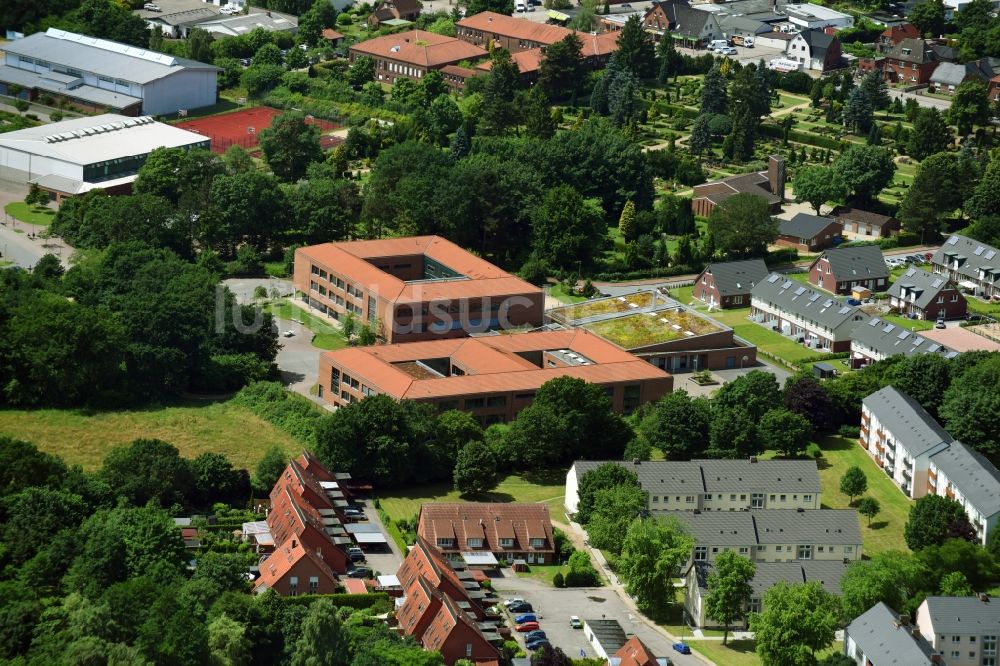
pixel 411 54
pixel 303 538
pixel 894 35
pixel 414 288
pixel 427 563
pixel 911 61
pixel 508 531
pixel 491 376
pixel 394 10
pixel 492 30
pixel 635 653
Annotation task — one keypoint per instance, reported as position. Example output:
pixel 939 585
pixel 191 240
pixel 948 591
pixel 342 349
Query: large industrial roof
pixel 101 56
pixel 95 139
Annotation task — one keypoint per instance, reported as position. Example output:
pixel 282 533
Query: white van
pixel 717 44
pixel 520 6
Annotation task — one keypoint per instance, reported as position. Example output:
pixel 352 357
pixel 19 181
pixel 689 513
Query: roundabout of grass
pixel 38 215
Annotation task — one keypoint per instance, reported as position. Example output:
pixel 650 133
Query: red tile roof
pixel 508 26
pixel 355 586
pixel 635 653
pixel 462 521
pixel 443 624
pixel 283 560
pixel 417 47
pixel 354 259
pixel 491 363
pixel 898 33
pixel 527 61
pixel 331 34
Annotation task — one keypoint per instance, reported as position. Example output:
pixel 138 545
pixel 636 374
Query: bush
pixel 807 138
pixel 785 255
pixel 849 431
pixel 558 580
pixel 355 601
pixel 813 451
pixel 229 372
pixel 21 105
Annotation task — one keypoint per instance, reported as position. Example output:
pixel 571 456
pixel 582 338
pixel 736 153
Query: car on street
pixel 532 635
pixel 513 602
pixel 526 627
pixel 522 607
pixel 940 324
pixel 683 648
pixel 526 617
pixel 727 51
pixel 150 7
pixel 361 572
pixel 356 554
pixel 574 621
pixel 537 645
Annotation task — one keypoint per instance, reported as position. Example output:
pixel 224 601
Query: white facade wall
pixel 827 336
pixel 965 649
pixel 20 167
pixel 121 86
pixel 909 473
pixel 572 499
pixel 938 483
pixel 188 89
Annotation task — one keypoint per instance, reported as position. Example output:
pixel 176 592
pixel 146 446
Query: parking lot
pixel 555 606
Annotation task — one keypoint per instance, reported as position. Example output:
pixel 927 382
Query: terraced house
pixel 931 296
pixel 714 485
pixel 804 313
pixel 727 284
pixel 878 340
pixel 974 266
pixel 776 535
pixel 842 270
pixel 480 534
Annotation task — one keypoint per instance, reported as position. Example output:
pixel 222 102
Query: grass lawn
pixel 40 215
pixel 741 653
pixel 558 292
pixel 886 532
pixel 977 306
pixel 83 438
pixel 325 336
pixel 908 324
pixel 548 488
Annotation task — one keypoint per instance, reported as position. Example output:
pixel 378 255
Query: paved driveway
pixel 384 562
pixel 554 607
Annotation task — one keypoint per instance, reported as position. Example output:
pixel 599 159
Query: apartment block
pixel 882 637
pixel 415 288
pixel 776 535
pixel 963 630
pixel 901 437
pixel 966 476
pixel 714 485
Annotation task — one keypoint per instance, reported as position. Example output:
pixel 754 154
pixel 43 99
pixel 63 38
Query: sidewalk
pixel 616 585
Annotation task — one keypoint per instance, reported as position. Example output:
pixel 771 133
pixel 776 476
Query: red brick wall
pixel 303 569
pixel 454 647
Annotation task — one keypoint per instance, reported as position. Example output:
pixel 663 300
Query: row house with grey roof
pixel 931 296
pixel 766 576
pixel 882 637
pixel 878 339
pixel 713 485
pixel 778 535
pixel 804 313
pixel 973 265
pixel 922 458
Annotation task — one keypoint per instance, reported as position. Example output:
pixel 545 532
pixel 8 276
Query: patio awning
pixel 968 284
pixel 388 581
pixel 479 559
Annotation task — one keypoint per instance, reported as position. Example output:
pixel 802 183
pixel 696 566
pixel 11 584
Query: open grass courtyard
pixel 84 438
pixel 546 488
pixel 38 215
pixel 325 336
pixel 741 653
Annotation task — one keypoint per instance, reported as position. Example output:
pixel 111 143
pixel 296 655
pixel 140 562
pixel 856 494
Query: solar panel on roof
pixel 844 310
pixel 788 283
pixel 937 283
pixel 953 240
pixel 800 291
pixel 828 303
pixel 990 254
pixel 773 278
pixel 933 348
pixel 874 322
pixel 814 298
pixel 911 272
pixel 917 341
pixel 889 328
pixel 902 335
pixel 979 250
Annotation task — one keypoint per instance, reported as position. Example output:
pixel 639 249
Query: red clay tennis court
pixel 240 128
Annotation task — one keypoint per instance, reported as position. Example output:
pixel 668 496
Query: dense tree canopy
pixel 742 226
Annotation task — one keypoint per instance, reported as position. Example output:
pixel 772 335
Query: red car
pixel 527 626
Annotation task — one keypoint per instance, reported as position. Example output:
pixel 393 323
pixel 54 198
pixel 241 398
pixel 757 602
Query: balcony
pixel 949 493
pixel 907 473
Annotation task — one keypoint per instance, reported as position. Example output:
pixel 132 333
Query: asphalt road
pixel 555 606
pixel 922 100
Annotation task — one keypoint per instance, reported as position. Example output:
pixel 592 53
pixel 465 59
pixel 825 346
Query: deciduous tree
pixel 608 475
pixel 652 550
pixel 677 425
pixel 933 519
pixel 742 226
pixel 817 185
pixel 562 68
pixel 785 431
pixel 969 106
pixel 891 577
pixel 290 145
pixel 797 622
pixel 869 507
pixel 865 171
pixel 567 229
pixel 729 589
pixel 853 483
pixel 930 134
pixel 475 469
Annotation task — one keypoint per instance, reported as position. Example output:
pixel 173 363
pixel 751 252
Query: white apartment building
pixel 901 437
pixel 714 485
pixel 963 630
pixel 971 480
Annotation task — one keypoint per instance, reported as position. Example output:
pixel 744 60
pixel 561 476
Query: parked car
pixel 356 554
pixel 359 572
pixel 522 607
pixel 727 51
pixel 516 600
pixel 532 635
pixel 853 301
pixel 574 621
pixel 683 648
pixel 939 323
pixel 538 645
pixel 525 617
pixel 150 7
pixel 526 627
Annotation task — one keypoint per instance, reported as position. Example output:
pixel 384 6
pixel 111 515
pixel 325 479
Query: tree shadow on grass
pixel 879 525
pixel 545 477
pixel 487 497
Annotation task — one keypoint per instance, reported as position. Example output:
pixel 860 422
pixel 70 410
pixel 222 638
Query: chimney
pixel 904 619
pixel 915 631
pixel 753 459
pixel 776 176
pixel 295 544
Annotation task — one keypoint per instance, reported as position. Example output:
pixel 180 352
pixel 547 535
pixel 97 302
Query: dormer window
pixel 445 542
pixel 906 51
pixel 506 543
pixel 536 543
pixel 475 543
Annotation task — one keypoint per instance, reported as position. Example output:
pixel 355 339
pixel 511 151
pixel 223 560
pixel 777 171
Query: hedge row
pixel 807 138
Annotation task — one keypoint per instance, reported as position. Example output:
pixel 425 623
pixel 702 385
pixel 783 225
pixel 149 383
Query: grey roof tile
pixel 668 477
pixel 769 574
pixel 973 256
pixel 910 424
pixel 804 225
pixel 737 277
pixel 964 615
pixel 926 285
pixel 888 339
pixel 885 641
pixel 773 526
pixel 973 475
pixel 856 263
pixel 807 302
